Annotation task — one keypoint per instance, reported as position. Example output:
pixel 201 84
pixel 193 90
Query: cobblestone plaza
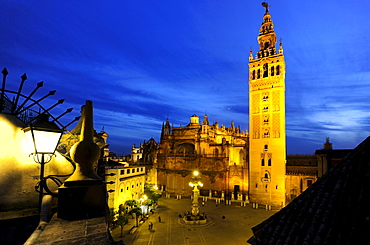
pixel 234 229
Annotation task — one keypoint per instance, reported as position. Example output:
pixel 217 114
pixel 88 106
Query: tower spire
pixel 266 5
pixel 267 35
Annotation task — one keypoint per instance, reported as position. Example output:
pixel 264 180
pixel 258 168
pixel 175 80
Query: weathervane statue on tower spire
pixel 266 5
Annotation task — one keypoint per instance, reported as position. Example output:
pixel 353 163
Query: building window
pixel 137 184
pixel 128 171
pixel 132 187
pixel 121 190
pixel 266 147
pixel 138 169
pixel 272 71
pixel 263 162
pixel 141 169
pixel 127 188
pixel 133 170
pixel 278 70
pixel 258 74
pixel 309 182
pixel 122 171
pixel 265 70
pixel 269 162
pixel 256 185
pixel 254 75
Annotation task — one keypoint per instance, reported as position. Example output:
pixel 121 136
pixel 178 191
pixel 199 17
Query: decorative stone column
pixel 83 194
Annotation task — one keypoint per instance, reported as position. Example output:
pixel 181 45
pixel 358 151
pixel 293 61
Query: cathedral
pixel 218 152
pixel 236 165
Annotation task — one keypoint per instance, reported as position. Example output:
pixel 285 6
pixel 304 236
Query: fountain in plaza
pixel 195 217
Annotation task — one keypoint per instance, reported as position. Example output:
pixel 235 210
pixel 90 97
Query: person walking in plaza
pixel 150 225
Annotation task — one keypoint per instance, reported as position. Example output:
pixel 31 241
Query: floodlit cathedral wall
pixel 219 153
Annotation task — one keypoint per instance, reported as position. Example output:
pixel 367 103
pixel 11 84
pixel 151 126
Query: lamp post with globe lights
pixel 195 182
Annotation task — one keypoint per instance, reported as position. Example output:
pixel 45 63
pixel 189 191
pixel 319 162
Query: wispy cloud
pixel 144 61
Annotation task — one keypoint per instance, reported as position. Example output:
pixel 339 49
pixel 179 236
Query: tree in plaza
pixel 131 203
pixel 151 193
pixel 148 203
pixel 122 221
pixel 112 218
pixel 138 212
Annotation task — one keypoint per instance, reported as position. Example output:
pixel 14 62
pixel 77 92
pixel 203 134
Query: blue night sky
pixel 141 62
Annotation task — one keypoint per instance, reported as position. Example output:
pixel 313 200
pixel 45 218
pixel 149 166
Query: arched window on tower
pixel 254 75
pixel 269 162
pixel 272 71
pixel 278 70
pixel 262 162
pixel 258 74
pixel 267 44
pixel 265 70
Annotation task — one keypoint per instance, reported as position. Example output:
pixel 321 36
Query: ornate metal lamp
pixel 45 137
pixel 195 182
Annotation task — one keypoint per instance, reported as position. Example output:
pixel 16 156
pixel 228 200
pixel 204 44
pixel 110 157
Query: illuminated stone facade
pixel 267 151
pixel 136 153
pixel 301 173
pixel 124 183
pixel 219 153
pixel 146 155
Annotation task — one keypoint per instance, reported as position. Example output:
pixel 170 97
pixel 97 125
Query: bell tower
pixel 267 156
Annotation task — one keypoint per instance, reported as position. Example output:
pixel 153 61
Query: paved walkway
pixel 234 229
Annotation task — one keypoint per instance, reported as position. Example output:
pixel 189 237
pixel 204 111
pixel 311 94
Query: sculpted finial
pixel 266 5
pixel 85 153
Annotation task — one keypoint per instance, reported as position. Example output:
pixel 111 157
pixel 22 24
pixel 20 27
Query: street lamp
pixel 45 137
pixel 195 182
